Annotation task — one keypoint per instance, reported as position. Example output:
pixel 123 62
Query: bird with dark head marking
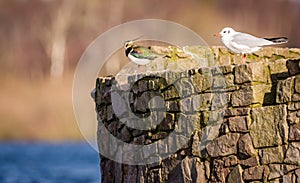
pixel 243 43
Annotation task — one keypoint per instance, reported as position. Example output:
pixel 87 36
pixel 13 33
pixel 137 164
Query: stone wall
pixel 241 122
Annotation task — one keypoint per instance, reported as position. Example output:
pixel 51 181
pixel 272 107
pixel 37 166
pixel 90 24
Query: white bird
pixel 243 43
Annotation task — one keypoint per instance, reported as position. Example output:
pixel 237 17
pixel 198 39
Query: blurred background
pixel 41 42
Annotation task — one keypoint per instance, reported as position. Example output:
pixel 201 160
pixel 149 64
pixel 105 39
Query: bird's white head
pixel 226 31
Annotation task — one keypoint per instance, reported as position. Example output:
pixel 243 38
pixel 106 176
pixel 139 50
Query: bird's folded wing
pixel 249 40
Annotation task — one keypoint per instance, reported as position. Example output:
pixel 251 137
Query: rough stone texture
pixel 279 170
pixel 223 146
pixel 236 175
pixel 245 146
pixel 238 122
pixel 253 72
pixel 256 173
pixel 284 90
pixel 242 97
pixel 294 134
pixel 293 153
pixel 271 155
pixel 269 126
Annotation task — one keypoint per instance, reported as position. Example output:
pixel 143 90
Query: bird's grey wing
pixel 249 40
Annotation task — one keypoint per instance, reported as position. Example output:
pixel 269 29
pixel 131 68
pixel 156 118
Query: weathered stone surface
pixel 219 101
pixel 289 178
pixel 185 87
pixel 296 97
pixel 297 174
pixel 192 169
pixel 236 112
pixel 130 173
pixel 293 154
pixel 172 106
pixel 238 124
pixel 229 161
pixel 253 72
pixel 203 80
pixel 259 93
pixel 293 117
pixel 250 162
pixel 202 101
pixel 278 170
pixel 248 139
pixel 223 146
pixel 242 97
pixel 269 126
pixel 271 155
pixel 297 84
pixel 235 175
pixel 294 134
pixel 293 66
pixel 245 146
pixel 284 90
pixel 256 173
pixel 278 66
pixel 218 82
pixel 294 106
pixel 186 104
pixel 171 93
pixel 219 172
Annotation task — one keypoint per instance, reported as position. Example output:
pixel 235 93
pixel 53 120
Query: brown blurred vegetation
pixel 42 40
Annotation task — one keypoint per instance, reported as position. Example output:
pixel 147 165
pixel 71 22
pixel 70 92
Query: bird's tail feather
pixel 278 40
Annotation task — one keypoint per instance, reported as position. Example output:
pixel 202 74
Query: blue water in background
pixel 70 162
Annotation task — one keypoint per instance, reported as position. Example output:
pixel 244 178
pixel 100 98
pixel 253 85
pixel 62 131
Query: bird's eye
pixel 224 32
pixel 228 32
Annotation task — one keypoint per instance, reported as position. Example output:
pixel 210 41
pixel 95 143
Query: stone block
pixel 293 117
pixel 202 101
pixel 203 80
pixel 294 106
pixel 186 105
pixel 245 146
pixel 172 106
pixel 259 93
pixel 236 175
pixel 278 66
pixel 293 153
pixel 284 90
pixel 253 72
pixel 192 169
pixel 230 161
pixel 223 146
pixel 294 134
pixel 250 162
pixel 219 101
pixel 293 66
pixel 218 82
pixel 238 124
pixel 269 127
pixel 171 93
pixel 297 84
pixel 242 111
pixel 242 97
pixel 229 82
pixel 296 97
pixel 218 171
pixel 271 155
pixel 279 170
pixel 185 87
pixel 256 173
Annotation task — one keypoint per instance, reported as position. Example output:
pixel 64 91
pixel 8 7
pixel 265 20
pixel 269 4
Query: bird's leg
pixel 243 58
